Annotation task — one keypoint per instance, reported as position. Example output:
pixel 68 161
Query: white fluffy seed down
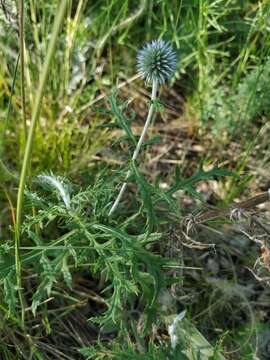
pixel 54 182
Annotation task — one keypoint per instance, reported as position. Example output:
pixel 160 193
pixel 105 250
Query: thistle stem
pixel 28 149
pixel 139 145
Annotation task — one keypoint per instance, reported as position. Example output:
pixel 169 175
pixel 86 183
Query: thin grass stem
pixel 6 174
pixel 21 35
pixel 9 105
pixel 28 149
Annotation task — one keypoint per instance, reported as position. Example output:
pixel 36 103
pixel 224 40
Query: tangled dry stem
pixel 242 211
pixel 235 211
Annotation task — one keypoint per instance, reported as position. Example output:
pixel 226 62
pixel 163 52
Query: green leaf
pixel 43 291
pixel 121 119
pixel 201 175
pixel 10 291
pixel 195 344
pixel 66 273
pixel 146 196
pixel 152 141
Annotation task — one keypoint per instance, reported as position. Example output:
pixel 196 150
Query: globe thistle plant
pixel 156 63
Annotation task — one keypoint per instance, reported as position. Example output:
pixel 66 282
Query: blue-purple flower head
pixel 156 61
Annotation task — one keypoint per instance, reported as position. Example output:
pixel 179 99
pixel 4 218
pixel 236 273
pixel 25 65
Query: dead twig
pixel 233 211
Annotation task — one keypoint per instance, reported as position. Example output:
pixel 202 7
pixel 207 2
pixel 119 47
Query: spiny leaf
pixel 201 175
pixel 10 291
pixel 121 119
pixel 146 196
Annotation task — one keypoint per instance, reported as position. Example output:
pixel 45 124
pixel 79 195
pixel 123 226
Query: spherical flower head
pixel 156 61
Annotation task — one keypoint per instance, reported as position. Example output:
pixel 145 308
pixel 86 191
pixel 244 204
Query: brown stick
pixel 245 205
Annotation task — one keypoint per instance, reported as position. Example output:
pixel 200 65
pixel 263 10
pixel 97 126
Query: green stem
pixel 21 32
pixel 3 135
pixel 35 31
pixel 28 149
pixel 139 145
pixel 6 175
pixel 72 27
